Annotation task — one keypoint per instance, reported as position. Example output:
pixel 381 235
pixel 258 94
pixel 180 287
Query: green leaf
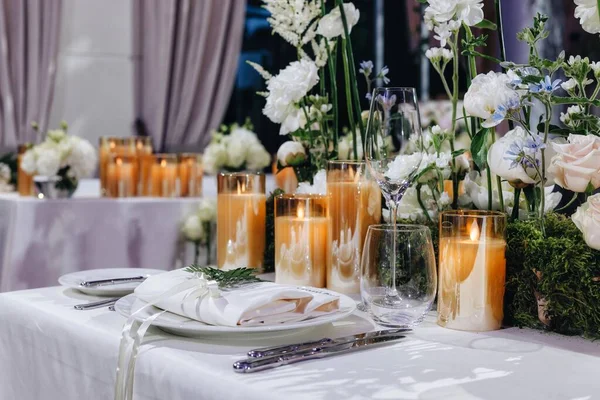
pixel 555 130
pixel 479 147
pixel 574 100
pixel 457 153
pixel 230 278
pixel 487 24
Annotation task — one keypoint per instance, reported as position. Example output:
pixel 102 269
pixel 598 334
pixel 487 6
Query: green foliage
pixel 229 278
pixel 479 147
pixel 269 258
pixel 561 268
pixel 10 159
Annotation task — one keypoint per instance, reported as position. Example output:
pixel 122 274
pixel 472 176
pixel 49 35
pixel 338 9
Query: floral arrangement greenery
pixel 69 157
pixel 304 98
pixel 198 227
pixel 269 258
pixel 235 148
pixel 553 261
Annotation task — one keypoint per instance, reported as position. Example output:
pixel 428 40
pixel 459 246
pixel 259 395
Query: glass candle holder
pixel 122 176
pixel 190 174
pixel 163 180
pixel 285 179
pixel 354 205
pixel 301 239
pixel 472 270
pixel 241 220
pixel 143 148
pixel 108 145
pixel 25 185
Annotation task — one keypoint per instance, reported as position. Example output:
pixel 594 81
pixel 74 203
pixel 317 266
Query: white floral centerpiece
pixel 303 97
pixel 536 172
pixel 61 158
pixel 5 178
pixel 235 148
pixel 198 228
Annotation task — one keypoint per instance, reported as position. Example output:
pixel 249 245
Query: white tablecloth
pixel 50 351
pixel 41 240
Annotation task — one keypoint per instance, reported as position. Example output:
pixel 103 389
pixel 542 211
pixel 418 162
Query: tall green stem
pixel 498 179
pixel 349 100
pixel 490 189
pixel 331 65
pixel 454 113
pixel 515 210
pixel 421 204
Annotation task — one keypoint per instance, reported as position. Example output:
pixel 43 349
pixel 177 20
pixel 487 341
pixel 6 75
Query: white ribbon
pixel 133 331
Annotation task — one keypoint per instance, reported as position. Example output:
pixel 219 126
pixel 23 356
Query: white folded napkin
pixel 262 303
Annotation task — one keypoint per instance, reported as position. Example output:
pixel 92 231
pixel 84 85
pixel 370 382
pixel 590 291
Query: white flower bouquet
pixel 303 97
pixel 235 148
pixel 198 227
pixel 536 172
pixel 67 157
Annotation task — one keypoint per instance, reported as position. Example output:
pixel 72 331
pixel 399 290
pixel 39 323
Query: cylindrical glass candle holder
pixel 121 176
pixel 472 270
pixel 301 239
pixel 108 145
pixel 285 179
pixel 143 149
pixel 354 205
pixel 241 220
pixel 25 185
pixel 190 174
pixel 163 180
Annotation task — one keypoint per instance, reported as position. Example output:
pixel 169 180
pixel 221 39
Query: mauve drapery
pixel 187 53
pixel 29 42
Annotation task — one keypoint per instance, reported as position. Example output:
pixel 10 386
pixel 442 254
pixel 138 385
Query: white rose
pixel 48 162
pixel 291 153
pixel 214 158
pixel 509 157
pixel 288 87
pixel 295 120
pixel 488 92
pixel 587 12
pixel 258 157
pixel 207 210
pixel 331 25
pixel 587 219
pixel 193 229
pixel 319 185
pixel 28 163
pixel 576 164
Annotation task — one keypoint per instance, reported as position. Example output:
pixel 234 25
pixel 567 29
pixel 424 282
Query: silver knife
pixel 260 364
pixel 114 281
pixel 275 350
pixel 96 304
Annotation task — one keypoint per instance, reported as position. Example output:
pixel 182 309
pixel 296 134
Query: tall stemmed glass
pixel 392 130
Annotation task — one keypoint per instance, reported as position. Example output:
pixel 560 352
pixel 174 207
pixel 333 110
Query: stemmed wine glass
pixel 392 130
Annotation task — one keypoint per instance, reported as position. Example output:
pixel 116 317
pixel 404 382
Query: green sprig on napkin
pixel 229 278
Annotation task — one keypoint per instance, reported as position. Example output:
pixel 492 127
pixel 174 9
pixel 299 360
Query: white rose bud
pixel 587 219
pixel 193 229
pixel 291 153
pixel 207 210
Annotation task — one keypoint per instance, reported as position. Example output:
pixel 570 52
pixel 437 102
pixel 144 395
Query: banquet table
pixel 48 350
pixel 40 240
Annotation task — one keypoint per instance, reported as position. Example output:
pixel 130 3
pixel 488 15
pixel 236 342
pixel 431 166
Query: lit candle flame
pixel 300 210
pixel 119 161
pixel 474 231
pixel 163 163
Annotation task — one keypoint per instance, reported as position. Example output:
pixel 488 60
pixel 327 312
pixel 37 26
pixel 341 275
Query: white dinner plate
pixel 74 279
pixel 183 326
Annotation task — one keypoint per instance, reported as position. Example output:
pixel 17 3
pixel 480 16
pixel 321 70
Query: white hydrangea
pixel 331 26
pixel 288 87
pixel 319 185
pixel 82 158
pixel 48 162
pixel 214 158
pixel 257 157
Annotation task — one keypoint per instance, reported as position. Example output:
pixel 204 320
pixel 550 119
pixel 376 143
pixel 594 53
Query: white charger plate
pixel 74 279
pixel 182 326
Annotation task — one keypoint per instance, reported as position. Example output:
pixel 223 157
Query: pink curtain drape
pixel 29 42
pixel 187 53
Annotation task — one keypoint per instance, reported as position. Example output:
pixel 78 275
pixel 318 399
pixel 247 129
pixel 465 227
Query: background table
pixel 48 350
pixel 41 240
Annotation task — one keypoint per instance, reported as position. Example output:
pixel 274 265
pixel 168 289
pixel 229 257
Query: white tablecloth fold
pixel 261 303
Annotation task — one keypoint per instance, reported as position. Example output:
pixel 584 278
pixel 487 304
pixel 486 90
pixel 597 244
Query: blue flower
pixel 545 86
pixel 366 68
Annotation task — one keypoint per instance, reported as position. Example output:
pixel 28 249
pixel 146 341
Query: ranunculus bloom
pixel 587 12
pixel 291 153
pixel 576 164
pixel 487 93
pixel 331 25
pixel 587 219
